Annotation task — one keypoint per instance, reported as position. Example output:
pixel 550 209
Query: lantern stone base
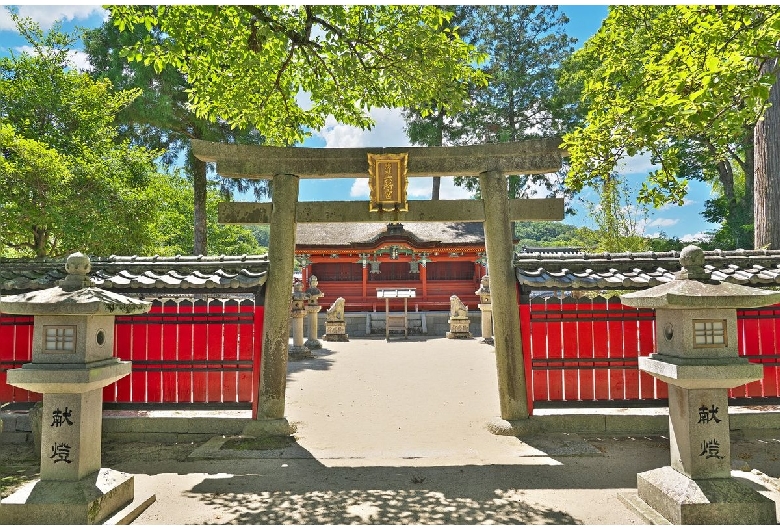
pixel 297 353
pixel 336 331
pixel 313 344
pixel 459 328
pixel 681 500
pixel 90 500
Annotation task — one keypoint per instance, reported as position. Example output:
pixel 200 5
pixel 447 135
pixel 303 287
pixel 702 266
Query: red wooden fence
pixel 15 350
pixel 182 351
pixel 581 350
pixel 587 350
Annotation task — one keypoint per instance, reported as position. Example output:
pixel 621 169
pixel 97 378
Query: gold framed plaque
pixel 387 182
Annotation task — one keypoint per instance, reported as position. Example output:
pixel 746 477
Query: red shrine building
pixel 353 260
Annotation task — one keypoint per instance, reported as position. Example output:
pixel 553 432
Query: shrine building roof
pixel 640 270
pixel 142 274
pixel 362 235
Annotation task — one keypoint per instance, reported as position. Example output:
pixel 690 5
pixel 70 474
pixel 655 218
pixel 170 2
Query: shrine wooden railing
pixel 183 351
pixel 587 350
pixel 436 297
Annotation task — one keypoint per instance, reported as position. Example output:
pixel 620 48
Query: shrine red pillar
pixel 424 278
pixel 305 273
pixel 365 283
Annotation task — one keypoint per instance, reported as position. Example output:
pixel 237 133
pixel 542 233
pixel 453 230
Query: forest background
pixel 154 198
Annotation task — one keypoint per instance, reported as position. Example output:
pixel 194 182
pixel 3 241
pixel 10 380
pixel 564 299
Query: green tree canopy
pixel 681 83
pixel 66 184
pixel 173 230
pixel 524 46
pixel 284 69
pixel 161 117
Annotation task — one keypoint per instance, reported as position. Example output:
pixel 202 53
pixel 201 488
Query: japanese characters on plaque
pixel 388 182
pixel 61 449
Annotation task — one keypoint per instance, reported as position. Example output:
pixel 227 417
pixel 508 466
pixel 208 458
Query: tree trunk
pixel 40 235
pixel 749 166
pixel 199 181
pixel 439 142
pixel 766 208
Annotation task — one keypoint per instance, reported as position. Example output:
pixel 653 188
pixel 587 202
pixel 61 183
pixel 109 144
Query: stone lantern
pixel 487 310
pixel 312 308
pixel 72 360
pixel 696 341
pixel 297 312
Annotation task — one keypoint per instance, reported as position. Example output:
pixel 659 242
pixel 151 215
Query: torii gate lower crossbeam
pixel 490 162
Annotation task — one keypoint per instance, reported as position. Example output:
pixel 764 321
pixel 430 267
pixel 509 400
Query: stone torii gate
pixel 286 166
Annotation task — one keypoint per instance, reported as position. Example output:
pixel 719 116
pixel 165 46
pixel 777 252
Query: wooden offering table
pixel 395 322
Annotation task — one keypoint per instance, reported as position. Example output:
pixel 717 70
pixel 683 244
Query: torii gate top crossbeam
pixel 263 162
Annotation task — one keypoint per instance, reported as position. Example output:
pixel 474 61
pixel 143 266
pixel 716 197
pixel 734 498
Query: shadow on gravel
pixel 263 487
pixel 360 496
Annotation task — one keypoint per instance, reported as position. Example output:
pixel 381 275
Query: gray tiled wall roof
pixel 639 270
pixel 142 273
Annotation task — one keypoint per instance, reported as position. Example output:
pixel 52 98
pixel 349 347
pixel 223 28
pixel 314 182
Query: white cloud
pixel 686 202
pixel 47 15
pixel 449 191
pixel 78 59
pixel 359 189
pixel 698 236
pixel 663 222
pixel 388 131
pixel 419 188
pixel 636 164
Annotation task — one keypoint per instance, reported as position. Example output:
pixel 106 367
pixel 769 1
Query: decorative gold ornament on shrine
pixel 387 182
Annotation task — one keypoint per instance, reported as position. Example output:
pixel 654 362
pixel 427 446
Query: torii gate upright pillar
pixel 278 290
pixel 507 340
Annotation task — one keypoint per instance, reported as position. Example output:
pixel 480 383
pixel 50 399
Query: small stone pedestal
pixel 72 360
pixel 696 337
pixel 298 350
pixel 459 328
pixel 486 308
pixel 335 325
pixel 313 343
pixel 312 309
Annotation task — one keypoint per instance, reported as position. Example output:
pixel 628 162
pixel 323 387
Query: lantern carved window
pixel 60 339
pixel 709 333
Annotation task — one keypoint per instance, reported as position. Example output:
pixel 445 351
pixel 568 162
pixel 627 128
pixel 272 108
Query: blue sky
pixel 584 20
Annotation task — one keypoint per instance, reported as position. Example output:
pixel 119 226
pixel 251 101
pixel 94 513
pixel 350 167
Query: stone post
pixel 508 341
pixel 276 322
pixel 72 360
pixel 459 320
pixel 312 309
pixel 696 337
pixel 487 310
pixel 297 313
